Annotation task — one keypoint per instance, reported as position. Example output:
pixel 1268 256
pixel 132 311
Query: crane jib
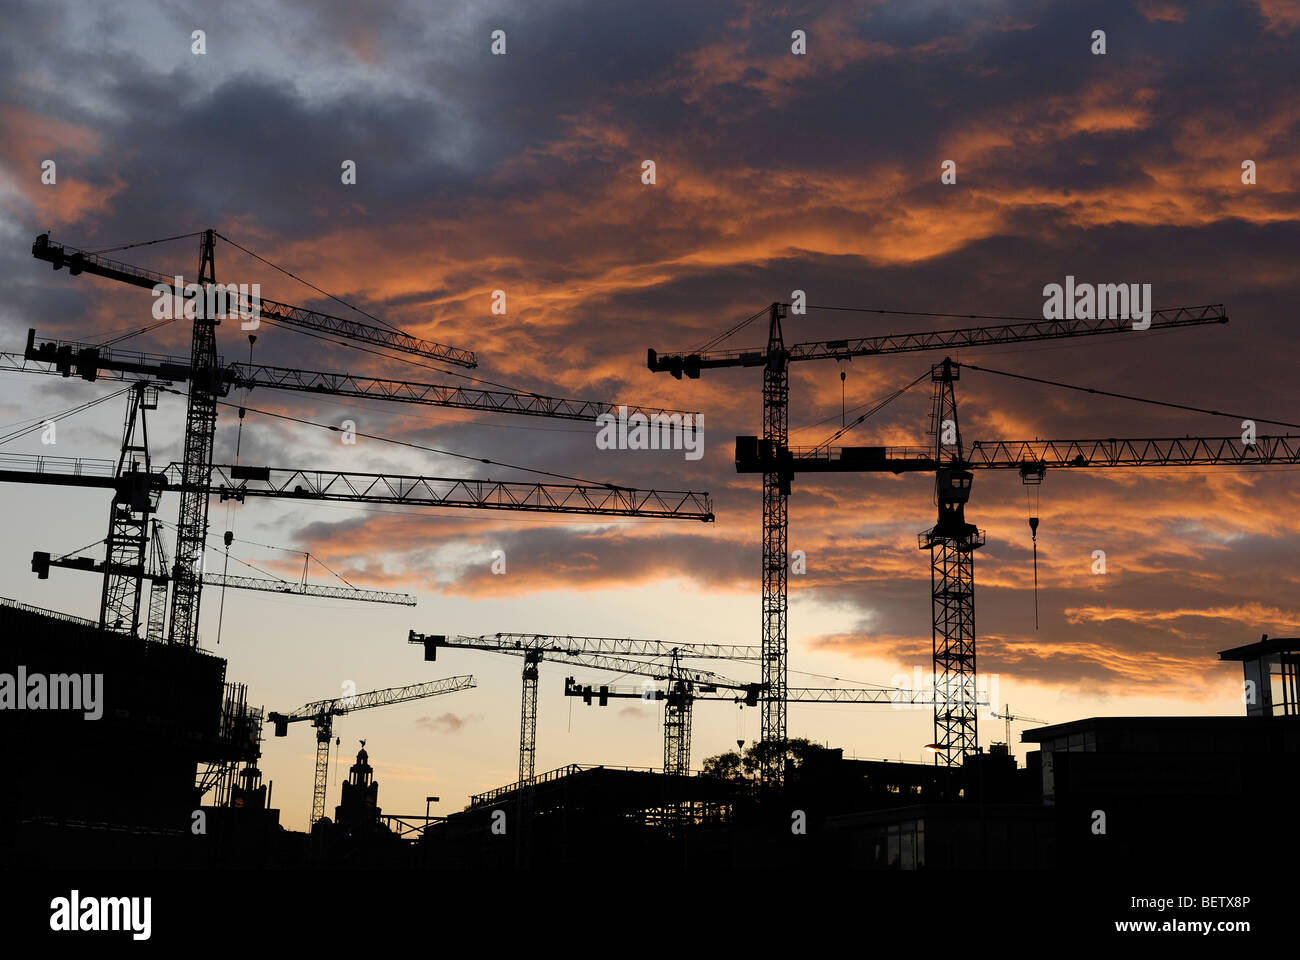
pixel 81 261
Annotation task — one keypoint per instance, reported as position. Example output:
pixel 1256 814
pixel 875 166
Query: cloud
pixel 776 173
pixel 446 723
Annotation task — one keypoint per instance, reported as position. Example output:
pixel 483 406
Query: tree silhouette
pixel 735 766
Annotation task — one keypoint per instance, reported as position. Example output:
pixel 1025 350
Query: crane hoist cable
pixel 1033 527
pixel 1031 475
pixel 230 527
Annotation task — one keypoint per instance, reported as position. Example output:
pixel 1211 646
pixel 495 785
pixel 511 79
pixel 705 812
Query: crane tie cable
pixel 146 243
pixel 874 410
pixel 324 293
pixel 710 344
pixel 419 446
pixel 355 346
pixel 926 313
pixel 269 546
pixel 71 411
pixel 1124 396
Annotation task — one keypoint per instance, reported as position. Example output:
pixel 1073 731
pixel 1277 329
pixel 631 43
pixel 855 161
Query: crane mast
pixel 684 689
pixel 200 432
pixel 156 626
pixel 91 361
pixel 238 483
pixel 775 360
pixel 953 541
pixel 78 261
pixel 158 575
pixel 206 386
pixel 601 653
pixel 209 379
pixel 321 713
pixel 134 503
pixel 776 554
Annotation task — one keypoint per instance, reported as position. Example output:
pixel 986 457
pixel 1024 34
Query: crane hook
pixel 1031 475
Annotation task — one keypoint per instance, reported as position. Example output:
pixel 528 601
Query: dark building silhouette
pixel 358 810
pixel 1107 792
pixel 1270 676
pixel 1100 793
pixel 120 790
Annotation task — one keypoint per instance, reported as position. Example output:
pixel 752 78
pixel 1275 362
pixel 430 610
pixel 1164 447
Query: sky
pixel 774 172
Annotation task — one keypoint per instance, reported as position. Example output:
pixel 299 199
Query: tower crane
pixel 238 483
pixel 321 713
pixel 157 575
pixel 775 360
pixel 92 361
pixel 684 688
pixel 209 379
pixel 637 658
pixel 603 653
pixel 79 261
pixel 1007 717
pixel 952 540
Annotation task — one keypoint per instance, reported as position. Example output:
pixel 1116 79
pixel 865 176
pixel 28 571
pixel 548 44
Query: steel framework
pixel 775 360
pixel 952 541
pixel 321 713
pixel 600 653
pixel 129 516
pixel 776 495
pixel 200 431
pixel 236 483
pixel 90 361
pixel 78 261
pixel 209 378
